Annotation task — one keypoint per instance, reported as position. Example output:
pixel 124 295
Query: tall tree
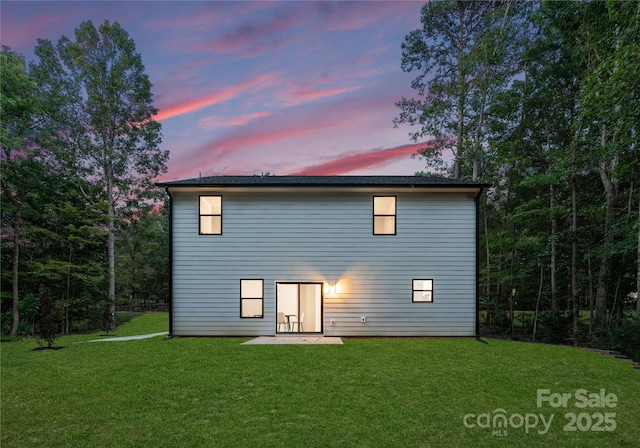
pixel 143 254
pixel 19 111
pixel 547 134
pixel 459 55
pixel 110 134
pixel 611 108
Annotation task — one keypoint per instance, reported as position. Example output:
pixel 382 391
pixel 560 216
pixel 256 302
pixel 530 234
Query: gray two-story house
pixel 331 255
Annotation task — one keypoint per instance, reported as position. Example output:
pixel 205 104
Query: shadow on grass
pixel 482 341
pixel 39 349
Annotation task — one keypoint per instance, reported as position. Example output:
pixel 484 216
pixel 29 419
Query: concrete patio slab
pixel 284 340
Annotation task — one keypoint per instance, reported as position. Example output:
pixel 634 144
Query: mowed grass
pixel 214 392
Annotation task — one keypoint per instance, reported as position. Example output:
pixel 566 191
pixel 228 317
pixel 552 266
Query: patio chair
pixel 282 320
pixel 299 323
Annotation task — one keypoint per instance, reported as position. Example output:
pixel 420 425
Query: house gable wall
pixel 326 236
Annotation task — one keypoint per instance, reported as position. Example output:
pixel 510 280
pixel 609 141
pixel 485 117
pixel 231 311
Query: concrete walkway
pixel 262 340
pixel 284 340
pixel 130 338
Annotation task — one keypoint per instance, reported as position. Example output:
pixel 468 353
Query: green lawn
pixel 214 392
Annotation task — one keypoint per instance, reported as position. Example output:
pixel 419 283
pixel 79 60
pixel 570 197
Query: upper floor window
pixel 210 215
pixel 384 215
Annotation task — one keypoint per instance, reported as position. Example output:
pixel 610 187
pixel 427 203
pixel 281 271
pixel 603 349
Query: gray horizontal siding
pixel 320 237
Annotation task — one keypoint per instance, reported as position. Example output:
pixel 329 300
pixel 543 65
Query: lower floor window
pixel 252 298
pixel 423 290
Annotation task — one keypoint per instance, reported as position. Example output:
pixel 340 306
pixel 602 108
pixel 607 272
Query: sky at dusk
pixel 290 88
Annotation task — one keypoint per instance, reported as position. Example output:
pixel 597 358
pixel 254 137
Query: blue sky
pixel 248 87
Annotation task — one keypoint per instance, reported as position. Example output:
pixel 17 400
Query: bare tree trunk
pixel 615 307
pixel 16 269
pixel 554 231
pixel 630 202
pixel 609 191
pixel 462 85
pixel 511 314
pixel 638 269
pixel 574 252
pixel 111 246
pixel 535 318
pixel 67 325
pixel 487 250
pixel 512 293
pixel 497 293
pixel 601 294
pixel 460 141
pixel 591 316
pixel 477 143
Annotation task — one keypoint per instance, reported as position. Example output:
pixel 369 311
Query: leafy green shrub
pixel 5 320
pixel 626 338
pixel 26 328
pixel 123 317
pixel 47 319
pixel 498 321
pixel 27 308
pixel 555 328
pixel 83 326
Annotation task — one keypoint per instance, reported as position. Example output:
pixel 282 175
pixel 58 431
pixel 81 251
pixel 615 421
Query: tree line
pixel 81 219
pixel 542 100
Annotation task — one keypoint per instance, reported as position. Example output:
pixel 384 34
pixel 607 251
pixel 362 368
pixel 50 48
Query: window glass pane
pixel 251 289
pixel 384 205
pixel 423 285
pixel 423 290
pixel 422 296
pixel 210 205
pixel 251 308
pixel 384 225
pixel 211 225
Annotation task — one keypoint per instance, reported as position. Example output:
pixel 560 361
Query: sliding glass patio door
pixel 299 307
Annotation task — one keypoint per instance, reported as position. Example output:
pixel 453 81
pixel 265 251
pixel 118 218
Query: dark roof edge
pixel 325 181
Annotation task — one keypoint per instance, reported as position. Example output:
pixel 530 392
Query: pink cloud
pixel 310 94
pixel 260 138
pixel 222 96
pixel 290 132
pixel 355 161
pixel 342 164
pixel 238 147
pixel 214 121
